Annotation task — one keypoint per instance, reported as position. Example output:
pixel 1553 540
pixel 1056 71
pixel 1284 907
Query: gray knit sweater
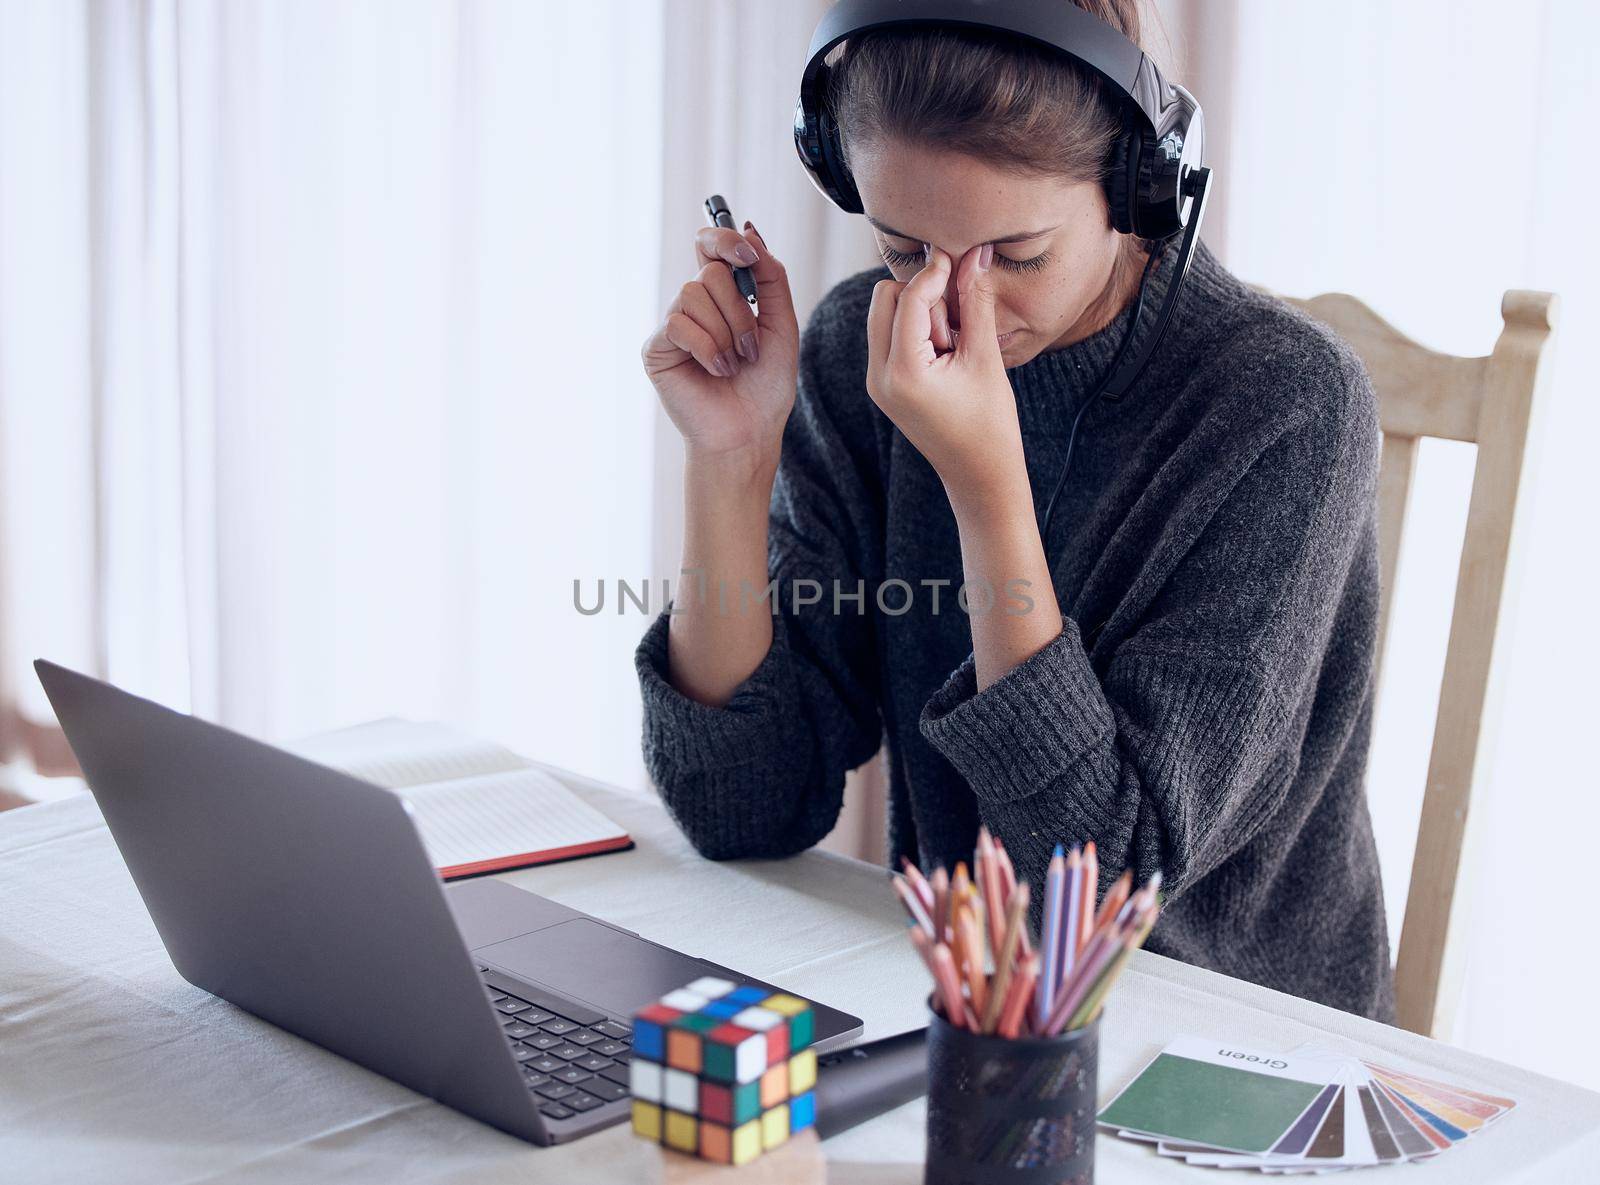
pixel 1206 707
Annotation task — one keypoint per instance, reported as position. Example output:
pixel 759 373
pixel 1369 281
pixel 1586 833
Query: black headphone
pixel 1148 178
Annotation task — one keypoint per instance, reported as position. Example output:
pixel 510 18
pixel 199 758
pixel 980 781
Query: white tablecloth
pixel 113 1069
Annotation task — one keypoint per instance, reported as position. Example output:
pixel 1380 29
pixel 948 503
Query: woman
pixel 1181 672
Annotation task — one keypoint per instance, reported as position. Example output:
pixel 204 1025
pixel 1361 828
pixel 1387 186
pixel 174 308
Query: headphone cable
pixel 1099 390
pixel 1114 384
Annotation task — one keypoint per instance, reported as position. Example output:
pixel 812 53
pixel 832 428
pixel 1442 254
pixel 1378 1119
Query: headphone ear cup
pixel 816 140
pixel 1157 200
pixel 839 178
pixel 1122 170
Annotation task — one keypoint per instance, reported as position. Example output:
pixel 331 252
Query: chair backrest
pixel 1494 403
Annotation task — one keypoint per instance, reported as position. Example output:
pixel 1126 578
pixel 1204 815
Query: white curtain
pixel 319 378
pixel 319 329
pixel 1426 157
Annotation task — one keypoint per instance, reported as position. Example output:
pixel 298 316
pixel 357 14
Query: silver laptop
pixel 304 896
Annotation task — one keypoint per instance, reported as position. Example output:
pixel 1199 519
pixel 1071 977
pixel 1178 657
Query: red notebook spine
pixel 530 859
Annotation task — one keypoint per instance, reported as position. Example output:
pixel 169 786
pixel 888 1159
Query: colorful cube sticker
pixel 682 1131
pixel 722 1070
pixel 747 1142
pixel 802 1111
pixel 644 1080
pixel 802 1072
pixel 774 1127
pixel 646 1120
pixel 650 1031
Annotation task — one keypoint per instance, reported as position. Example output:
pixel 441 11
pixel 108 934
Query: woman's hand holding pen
pixel 947 392
pixel 726 376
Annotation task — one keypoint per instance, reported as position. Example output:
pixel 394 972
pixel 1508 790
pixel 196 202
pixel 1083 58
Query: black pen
pixel 719 214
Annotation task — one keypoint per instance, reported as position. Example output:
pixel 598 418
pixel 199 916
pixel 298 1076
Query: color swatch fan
pixel 1309 1110
pixel 723 1071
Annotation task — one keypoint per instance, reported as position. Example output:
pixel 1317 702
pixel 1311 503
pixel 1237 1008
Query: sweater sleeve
pixel 1172 754
pixel 764 774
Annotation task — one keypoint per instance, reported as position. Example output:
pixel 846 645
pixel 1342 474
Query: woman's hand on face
pixel 725 376
pixel 955 405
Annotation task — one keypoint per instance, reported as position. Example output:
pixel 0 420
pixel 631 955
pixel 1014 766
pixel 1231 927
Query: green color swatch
pixel 1179 1098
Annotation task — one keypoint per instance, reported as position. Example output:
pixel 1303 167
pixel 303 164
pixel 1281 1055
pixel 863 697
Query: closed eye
pixel 915 258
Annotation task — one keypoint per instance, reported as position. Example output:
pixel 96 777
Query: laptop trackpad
pixel 595 964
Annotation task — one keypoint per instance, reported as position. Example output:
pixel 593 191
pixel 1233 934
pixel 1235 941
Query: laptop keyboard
pixel 573 1058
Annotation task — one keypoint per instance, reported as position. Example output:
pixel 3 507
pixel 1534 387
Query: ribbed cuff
pixel 691 737
pixel 1025 730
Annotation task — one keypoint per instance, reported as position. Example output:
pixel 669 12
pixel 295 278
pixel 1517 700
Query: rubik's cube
pixel 723 1072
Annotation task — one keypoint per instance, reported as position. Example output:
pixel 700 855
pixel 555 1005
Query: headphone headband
pixel 1160 146
pixel 1053 25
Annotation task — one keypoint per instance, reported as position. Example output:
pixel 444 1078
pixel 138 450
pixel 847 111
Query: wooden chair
pixel 1492 402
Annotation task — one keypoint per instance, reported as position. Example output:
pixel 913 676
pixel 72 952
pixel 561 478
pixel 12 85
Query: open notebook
pixel 480 808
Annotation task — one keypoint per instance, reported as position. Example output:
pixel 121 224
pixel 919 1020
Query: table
pixel 114 1069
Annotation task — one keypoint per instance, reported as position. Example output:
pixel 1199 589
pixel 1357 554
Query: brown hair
pixel 1005 102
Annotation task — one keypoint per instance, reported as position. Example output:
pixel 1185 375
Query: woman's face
pixel 1054 249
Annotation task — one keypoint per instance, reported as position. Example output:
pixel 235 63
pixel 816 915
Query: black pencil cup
pixel 1011 1111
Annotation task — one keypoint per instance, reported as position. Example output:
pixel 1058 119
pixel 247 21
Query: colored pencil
pixel 1091 892
pixel 957 945
pixel 913 905
pixel 1013 1014
pixel 980 927
pixel 1008 873
pixel 941 902
pixel 1050 935
pixel 1008 885
pixel 960 882
pixel 971 963
pixel 1144 899
pixel 1016 922
pixel 1073 920
pixel 1115 896
pixel 949 986
pixel 918 882
pixel 993 899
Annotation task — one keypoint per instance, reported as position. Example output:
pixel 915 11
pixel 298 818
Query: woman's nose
pixel 951 304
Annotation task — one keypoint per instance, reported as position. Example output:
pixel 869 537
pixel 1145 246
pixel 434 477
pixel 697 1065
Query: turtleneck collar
pixel 1050 386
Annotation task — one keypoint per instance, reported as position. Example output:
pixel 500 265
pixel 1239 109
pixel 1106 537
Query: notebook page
pixel 503 814
pixel 398 753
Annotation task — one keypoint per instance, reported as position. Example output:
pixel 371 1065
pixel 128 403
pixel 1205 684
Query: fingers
pixel 711 321
pixel 714 244
pixel 681 332
pixel 913 319
pixel 880 327
pixel 734 309
pixel 975 291
pixel 943 337
pixel 713 345
pixel 772 286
